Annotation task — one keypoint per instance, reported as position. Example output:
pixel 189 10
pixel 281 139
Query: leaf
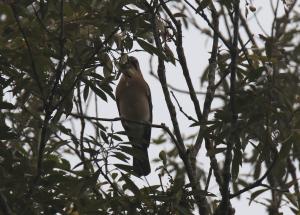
pixel 96 90
pixel 169 54
pixel 120 156
pixel 202 5
pixel 292 198
pixel 6 105
pixel 103 136
pixel 163 157
pixel 131 185
pixel 107 64
pixel 215 151
pixel 123 167
pixel 256 194
pixel 68 103
pixel 150 48
pixel 115 137
pixel 86 92
pixel 179 15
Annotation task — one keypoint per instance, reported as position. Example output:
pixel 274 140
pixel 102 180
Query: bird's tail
pixel 141 164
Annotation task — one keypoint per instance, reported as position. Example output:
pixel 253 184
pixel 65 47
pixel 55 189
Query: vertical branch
pixel 182 60
pixel 208 100
pixel 82 126
pixel 59 69
pixel 225 203
pixel 196 189
pixel 211 78
pixel 275 11
pixel 48 106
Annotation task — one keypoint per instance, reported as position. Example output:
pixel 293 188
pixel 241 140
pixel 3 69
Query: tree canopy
pixel 59 58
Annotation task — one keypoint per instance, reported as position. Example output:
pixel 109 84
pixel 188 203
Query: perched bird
pixel 134 103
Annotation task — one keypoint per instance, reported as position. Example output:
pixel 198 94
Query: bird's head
pixel 131 67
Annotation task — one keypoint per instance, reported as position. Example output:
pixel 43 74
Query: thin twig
pixel 181 109
pixel 81 144
pixel 177 89
pixel 208 180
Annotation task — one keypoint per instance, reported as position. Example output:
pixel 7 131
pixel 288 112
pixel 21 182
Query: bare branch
pixel 182 60
pixel 80 110
pixel 181 109
pixel 225 191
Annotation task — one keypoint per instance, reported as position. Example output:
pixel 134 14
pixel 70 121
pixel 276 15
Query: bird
pixel 133 98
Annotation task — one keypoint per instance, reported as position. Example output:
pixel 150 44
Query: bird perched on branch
pixel 134 104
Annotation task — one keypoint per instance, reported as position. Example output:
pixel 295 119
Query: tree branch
pixel 225 190
pixel 182 60
pixel 196 189
pixel 181 109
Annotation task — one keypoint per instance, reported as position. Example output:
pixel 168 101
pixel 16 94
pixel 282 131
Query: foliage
pixel 55 56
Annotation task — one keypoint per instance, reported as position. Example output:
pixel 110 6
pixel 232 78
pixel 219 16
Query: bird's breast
pixel 134 103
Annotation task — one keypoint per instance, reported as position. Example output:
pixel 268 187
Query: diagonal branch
pixel 182 60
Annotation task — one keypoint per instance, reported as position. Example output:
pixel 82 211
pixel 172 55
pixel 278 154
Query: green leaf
pixel 131 185
pixel 96 90
pixel 121 156
pixel 104 136
pixel 151 49
pixel 6 105
pixel 256 194
pixel 123 167
pixel 86 92
pixel 203 4
pixel 215 151
pixel 163 157
pixel 68 103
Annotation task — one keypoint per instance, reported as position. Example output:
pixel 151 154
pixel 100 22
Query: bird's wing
pixel 147 134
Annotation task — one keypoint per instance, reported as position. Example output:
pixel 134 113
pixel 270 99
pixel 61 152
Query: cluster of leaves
pixel 54 56
pixel 267 105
